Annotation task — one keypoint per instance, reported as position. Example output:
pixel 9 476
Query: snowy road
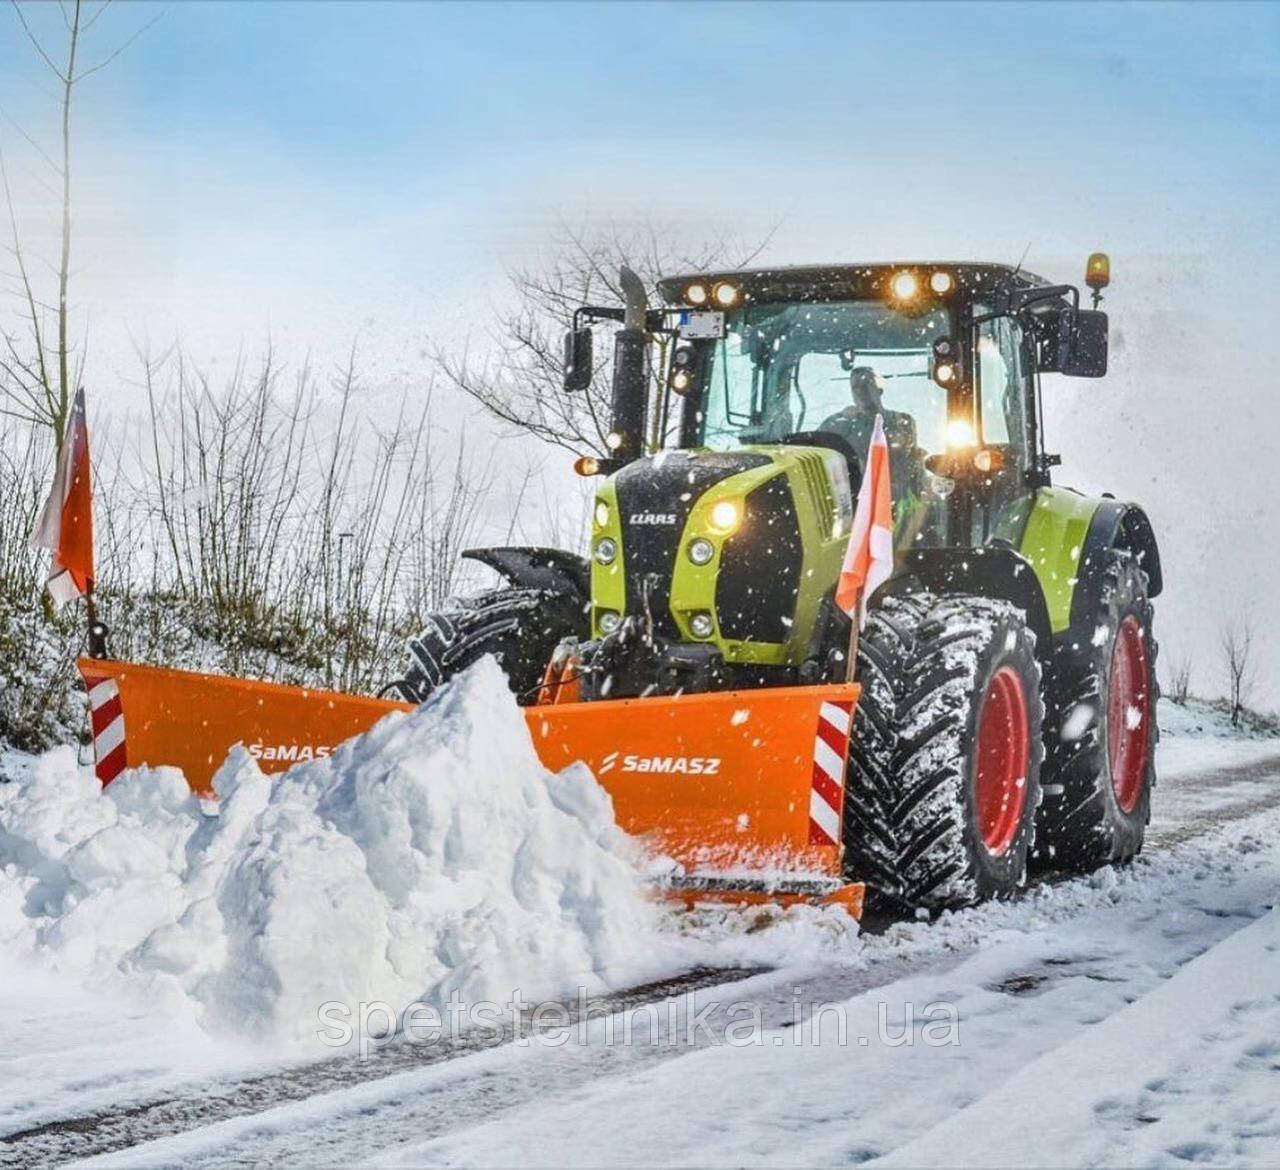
pixel 1022 981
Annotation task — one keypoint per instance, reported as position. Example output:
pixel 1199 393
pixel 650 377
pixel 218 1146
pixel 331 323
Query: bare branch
pixel 32 38
pixel 88 24
pixel 116 53
pixel 29 140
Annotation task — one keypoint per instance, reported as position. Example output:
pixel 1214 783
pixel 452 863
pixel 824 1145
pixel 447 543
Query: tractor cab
pixel 947 354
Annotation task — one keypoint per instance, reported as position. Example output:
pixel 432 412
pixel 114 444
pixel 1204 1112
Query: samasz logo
pixel 291 753
pixel 668 765
pixel 653 518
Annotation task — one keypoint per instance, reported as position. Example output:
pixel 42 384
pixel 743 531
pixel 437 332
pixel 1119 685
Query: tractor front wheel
pixel 520 626
pixel 946 751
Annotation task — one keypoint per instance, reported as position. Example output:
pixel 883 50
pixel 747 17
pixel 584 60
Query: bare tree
pixel 37 378
pixel 1236 640
pixel 1180 679
pixel 518 377
pixel 291 531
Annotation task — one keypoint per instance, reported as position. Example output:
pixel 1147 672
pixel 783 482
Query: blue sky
pixel 327 171
pixel 411 87
pixel 444 135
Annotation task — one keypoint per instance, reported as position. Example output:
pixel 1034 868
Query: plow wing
pixel 742 790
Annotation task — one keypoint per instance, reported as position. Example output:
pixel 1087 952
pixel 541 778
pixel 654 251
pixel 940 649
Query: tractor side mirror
pixel 1072 342
pixel 1087 352
pixel 577 359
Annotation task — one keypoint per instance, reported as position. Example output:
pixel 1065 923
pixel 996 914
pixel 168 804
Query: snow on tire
pixel 520 626
pixel 1101 765
pixel 946 750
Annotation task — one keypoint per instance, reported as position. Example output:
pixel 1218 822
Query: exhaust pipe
pixel 630 371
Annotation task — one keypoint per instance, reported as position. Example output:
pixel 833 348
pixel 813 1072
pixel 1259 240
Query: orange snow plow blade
pixel 742 790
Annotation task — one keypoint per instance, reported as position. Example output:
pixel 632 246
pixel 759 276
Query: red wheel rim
pixel 1128 713
pixel 1003 756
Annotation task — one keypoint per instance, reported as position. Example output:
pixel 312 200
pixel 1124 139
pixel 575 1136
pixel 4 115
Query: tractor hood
pixel 728 551
pixel 655 498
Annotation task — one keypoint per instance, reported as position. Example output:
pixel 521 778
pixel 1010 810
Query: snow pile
pixel 432 855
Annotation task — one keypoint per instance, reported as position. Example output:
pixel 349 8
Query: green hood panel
pixel 670 505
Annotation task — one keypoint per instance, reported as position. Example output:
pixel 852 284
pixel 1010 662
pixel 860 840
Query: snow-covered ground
pixel 1131 1017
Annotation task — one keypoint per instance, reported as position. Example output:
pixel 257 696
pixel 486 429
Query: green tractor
pixel 1007 669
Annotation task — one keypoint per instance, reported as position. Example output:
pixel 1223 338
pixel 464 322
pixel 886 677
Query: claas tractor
pixel 989 710
pixel 1006 713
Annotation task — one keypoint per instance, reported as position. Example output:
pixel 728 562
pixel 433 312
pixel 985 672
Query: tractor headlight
pixel 702 625
pixel 725 516
pixel 606 551
pixel 601 513
pixel 609 620
pixel 696 294
pixel 701 551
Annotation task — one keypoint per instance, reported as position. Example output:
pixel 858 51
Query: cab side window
pixel 1001 380
pixel 1002 395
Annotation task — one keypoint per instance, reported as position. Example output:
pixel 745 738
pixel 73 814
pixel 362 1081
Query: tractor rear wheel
pixel 1101 765
pixel 519 625
pixel 946 749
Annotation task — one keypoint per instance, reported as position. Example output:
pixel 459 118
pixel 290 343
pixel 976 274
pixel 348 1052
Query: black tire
pixel 1083 821
pixel 928 668
pixel 518 625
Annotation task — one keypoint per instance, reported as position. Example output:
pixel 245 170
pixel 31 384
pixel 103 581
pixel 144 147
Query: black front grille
pixel 655 497
pixel 760 564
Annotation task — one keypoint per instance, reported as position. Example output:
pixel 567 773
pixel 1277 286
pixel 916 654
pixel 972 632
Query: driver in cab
pixel 856 421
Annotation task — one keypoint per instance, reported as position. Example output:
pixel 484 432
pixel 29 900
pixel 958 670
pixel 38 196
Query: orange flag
pixel 66 524
pixel 868 561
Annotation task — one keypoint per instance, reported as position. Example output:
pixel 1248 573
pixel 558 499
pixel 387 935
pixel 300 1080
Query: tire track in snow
pixel 453 1100
pixel 1259 779
pixel 103 1132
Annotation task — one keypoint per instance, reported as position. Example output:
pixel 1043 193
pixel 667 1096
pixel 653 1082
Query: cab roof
pixel 824 282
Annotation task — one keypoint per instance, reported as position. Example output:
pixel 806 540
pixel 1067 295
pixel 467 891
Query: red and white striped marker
pixel 830 752
pixel 107 717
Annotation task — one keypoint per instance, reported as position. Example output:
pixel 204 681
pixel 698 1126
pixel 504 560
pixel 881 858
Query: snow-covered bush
pixel 261 528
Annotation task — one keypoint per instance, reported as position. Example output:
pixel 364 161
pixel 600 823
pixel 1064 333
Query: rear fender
pixel 1066 539
pixel 1115 525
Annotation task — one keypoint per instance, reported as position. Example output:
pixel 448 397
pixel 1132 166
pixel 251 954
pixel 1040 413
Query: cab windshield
pixel 832 367
pixel 821 366
pixel 828 366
